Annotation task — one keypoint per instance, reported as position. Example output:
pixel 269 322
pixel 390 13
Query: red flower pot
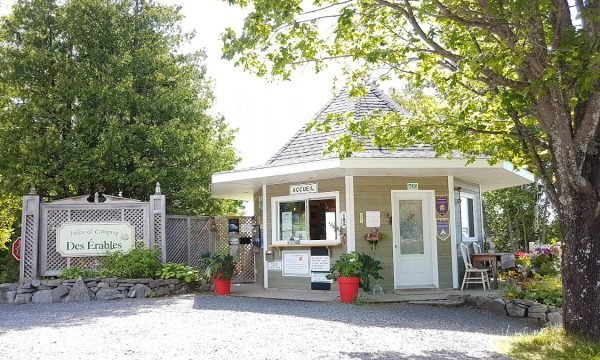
pixel 348 288
pixel 222 287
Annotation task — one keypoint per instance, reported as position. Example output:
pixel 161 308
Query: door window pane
pixel 467 217
pixel 292 220
pixel 411 227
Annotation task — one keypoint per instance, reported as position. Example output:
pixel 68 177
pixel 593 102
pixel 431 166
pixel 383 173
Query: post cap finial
pixel 32 190
pixel 157 189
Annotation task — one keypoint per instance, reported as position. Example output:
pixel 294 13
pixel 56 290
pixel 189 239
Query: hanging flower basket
pixel 374 237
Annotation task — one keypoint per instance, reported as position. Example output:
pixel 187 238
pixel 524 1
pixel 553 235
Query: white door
pixel 413 239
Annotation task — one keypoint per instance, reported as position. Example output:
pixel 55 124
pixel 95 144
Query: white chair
pixel 476 248
pixel 473 275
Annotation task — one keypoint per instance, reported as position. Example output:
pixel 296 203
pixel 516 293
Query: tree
pixel 516 216
pixel 96 95
pixel 516 80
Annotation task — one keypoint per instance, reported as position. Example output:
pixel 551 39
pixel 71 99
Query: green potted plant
pixel 370 270
pixel 347 271
pixel 219 269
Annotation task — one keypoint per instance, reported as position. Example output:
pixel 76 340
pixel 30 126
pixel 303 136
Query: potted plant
pixel 219 269
pixel 347 271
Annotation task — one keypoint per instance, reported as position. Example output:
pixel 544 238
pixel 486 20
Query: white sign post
pixel 94 239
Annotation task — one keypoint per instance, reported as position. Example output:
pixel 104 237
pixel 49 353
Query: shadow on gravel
pixel 23 317
pixel 430 355
pixel 391 315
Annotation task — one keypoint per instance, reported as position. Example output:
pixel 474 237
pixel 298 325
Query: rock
pixel 552 309
pixel 125 285
pixel 92 284
pixel 42 297
pixel 23 298
pixel 44 287
pixel 173 281
pixel 524 302
pixel 139 291
pixel 94 289
pixel 109 294
pixel 535 315
pixel 59 293
pixel 137 281
pixel 35 283
pixel 96 279
pixel 537 309
pixel 494 305
pixel 156 283
pixel 103 285
pixel 161 291
pixel 53 282
pixel 25 286
pixel 8 286
pixel 7 297
pixel 555 318
pixel 515 309
pixel 25 291
pixel 185 290
pixel 109 280
pixel 80 292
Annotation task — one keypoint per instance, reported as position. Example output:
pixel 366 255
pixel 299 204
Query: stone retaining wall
pixel 56 291
pixel 527 310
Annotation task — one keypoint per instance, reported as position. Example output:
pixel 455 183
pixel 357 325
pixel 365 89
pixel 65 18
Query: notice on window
pixel 296 263
pixel 373 219
pixel 286 221
pixel 320 263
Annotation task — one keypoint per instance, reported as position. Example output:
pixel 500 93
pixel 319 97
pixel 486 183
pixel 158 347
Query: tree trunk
pixel 580 228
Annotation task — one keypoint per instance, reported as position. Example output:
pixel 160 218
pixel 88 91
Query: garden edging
pixel 80 290
pixel 530 311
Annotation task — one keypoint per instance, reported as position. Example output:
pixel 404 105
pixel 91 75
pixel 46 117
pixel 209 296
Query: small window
pixel 305 218
pixel 467 217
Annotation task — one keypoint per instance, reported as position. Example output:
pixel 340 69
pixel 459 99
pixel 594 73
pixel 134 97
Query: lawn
pixel 550 344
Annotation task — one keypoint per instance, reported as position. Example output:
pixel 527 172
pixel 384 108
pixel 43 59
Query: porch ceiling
pixel 242 184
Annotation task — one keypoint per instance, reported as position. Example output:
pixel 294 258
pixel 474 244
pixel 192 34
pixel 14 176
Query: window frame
pixel 275 218
pixel 465 197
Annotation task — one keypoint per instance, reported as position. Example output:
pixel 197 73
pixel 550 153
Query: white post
pixel 158 220
pixel 30 225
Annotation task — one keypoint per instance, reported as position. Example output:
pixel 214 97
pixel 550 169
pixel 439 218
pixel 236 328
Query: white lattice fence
pixel 187 238
pixel 246 265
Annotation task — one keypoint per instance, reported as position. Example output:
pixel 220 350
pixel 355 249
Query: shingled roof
pixel 309 146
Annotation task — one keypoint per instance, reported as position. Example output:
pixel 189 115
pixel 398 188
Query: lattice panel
pixel 199 239
pixel 158 231
pixel 54 261
pixel 245 268
pixel 28 243
pixel 95 215
pixel 136 218
pixel 177 240
pixel 221 235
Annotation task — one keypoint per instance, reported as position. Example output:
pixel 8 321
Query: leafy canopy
pixel 97 96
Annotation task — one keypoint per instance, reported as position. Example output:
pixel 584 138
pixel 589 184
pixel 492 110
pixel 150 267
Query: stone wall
pixel 527 310
pixel 57 291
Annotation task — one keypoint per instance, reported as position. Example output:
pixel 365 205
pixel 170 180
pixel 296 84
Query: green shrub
pixel 348 265
pixel 75 272
pixel 9 267
pixel 223 264
pixel 182 272
pixel 140 262
pixel 545 290
pixel 370 270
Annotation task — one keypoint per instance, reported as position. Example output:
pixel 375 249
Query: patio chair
pixel 473 275
pixel 476 248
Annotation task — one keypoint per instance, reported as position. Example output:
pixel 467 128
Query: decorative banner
pixel 441 205
pixel 443 229
pixel 94 239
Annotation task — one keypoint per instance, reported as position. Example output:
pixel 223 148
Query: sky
pixel 266 113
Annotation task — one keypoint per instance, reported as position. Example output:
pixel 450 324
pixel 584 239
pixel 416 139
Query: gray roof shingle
pixel 308 146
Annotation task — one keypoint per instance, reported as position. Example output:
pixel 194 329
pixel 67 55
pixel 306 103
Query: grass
pixel 550 344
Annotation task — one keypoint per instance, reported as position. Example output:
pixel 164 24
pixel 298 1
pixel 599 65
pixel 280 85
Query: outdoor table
pixel 493 258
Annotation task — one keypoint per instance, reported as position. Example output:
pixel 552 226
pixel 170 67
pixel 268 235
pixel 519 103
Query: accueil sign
pixel 94 239
pixel 303 189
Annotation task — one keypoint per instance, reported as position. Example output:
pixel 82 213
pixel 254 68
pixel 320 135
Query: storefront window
pixel 313 217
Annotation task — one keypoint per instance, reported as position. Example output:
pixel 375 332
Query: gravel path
pixel 207 327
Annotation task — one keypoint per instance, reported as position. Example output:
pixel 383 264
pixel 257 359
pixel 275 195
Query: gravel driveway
pixel 207 327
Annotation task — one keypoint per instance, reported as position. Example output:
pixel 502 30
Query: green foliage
pixel 510 216
pixel 140 262
pixel 75 272
pixel 551 343
pixel 348 265
pixel 97 95
pixel 9 217
pixel 9 267
pixel 181 272
pixel 222 265
pixel 545 290
pixel 353 264
pixel 370 270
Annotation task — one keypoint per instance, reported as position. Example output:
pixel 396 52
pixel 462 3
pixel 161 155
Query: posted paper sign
pixel 320 263
pixel 296 263
pixel 274 265
pixel 373 219
pixel 94 239
pixel 319 277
